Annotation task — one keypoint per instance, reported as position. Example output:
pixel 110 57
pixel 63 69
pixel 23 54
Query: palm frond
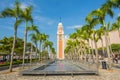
pixel 114 26
pixel 8 12
pixel 1 15
pixel 110 12
pixel 17 23
pixel 27 14
pixel 118 18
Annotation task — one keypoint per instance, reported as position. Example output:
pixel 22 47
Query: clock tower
pixel 60 42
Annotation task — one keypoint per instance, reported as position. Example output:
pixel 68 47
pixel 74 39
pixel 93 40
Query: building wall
pixel 113 39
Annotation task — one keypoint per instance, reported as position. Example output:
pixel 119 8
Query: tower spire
pixel 60 19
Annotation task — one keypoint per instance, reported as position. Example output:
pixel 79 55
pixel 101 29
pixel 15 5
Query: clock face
pixel 60 30
pixel 60 37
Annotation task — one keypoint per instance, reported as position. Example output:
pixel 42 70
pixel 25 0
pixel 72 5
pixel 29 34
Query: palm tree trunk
pixel 97 56
pixel 85 52
pixel 102 47
pixel 88 46
pixel 13 48
pixel 36 51
pixel 24 50
pixel 81 53
pixel 92 51
pixel 109 44
pixel 78 50
pixel 40 52
pixel 31 54
pixel 89 49
pixel 108 50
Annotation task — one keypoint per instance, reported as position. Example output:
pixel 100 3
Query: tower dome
pixel 60 24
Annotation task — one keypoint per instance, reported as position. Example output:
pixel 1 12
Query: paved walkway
pixel 103 75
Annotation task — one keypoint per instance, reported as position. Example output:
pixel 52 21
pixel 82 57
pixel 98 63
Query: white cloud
pixel 44 20
pixel 74 27
pixel 30 2
pixel 23 5
pixel 50 22
pixel 66 36
pixel 118 14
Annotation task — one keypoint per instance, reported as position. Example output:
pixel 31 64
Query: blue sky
pixel 47 13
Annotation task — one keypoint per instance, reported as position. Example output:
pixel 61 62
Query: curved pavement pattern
pixel 59 68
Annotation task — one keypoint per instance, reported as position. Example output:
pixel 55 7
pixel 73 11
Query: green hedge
pixel 16 62
pixel 114 47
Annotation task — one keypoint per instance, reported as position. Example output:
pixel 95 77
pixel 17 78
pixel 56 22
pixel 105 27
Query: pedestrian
pixel 116 59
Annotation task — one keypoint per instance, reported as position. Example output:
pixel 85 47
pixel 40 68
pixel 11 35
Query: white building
pixel 113 39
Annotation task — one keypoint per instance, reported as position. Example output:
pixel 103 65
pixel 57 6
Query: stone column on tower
pixel 60 42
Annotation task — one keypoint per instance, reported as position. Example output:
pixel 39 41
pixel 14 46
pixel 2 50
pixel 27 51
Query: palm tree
pixel 15 13
pixel 116 25
pixel 35 39
pixel 48 45
pixel 52 50
pixel 99 15
pixel 81 33
pixel 69 49
pixel 106 10
pixel 118 19
pixel 113 3
pixel 93 21
pixel 73 48
pixel 95 39
pixel 87 30
pixel 53 53
pixel 75 37
pixel 33 28
pixel 26 16
pixel 100 33
pixel 42 38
